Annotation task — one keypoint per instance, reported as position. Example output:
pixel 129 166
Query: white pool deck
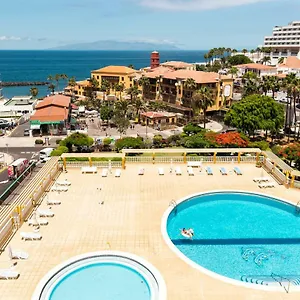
pixel 130 220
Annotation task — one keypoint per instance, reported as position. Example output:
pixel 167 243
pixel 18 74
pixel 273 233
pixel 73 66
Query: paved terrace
pixel 130 220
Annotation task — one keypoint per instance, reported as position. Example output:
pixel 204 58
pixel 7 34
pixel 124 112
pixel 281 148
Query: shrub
pixel 231 139
pixel 58 141
pixel 192 128
pixel 107 141
pixel 129 143
pixel 39 142
pixel 59 151
pixel 263 145
pixel 157 141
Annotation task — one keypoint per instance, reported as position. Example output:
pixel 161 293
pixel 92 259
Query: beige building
pixel 179 65
pixel 115 75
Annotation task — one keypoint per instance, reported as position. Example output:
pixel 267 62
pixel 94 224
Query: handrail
pixel 298 207
pixel 273 275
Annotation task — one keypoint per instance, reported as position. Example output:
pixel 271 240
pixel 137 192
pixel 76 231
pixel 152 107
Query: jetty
pixel 22 83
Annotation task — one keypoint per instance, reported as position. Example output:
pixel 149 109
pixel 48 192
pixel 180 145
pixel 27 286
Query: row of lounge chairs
pixel 264 182
pixel 104 172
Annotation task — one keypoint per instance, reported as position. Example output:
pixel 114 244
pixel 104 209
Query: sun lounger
pixel 53 202
pixel 223 171
pixel 209 171
pixel 17 254
pixel 178 171
pixel 104 173
pixel 161 171
pixel 118 173
pixel 270 184
pixel 30 236
pixel 261 179
pixel 237 171
pixel 9 274
pixel 37 222
pixel 141 171
pixel 89 170
pixel 59 189
pixel 45 213
pixel 63 182
pixel 194 164
pixel 190 171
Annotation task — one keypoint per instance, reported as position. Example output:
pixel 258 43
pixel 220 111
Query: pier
pixel 22 83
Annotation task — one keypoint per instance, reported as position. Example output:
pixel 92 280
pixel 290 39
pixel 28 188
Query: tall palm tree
pixel 144 82
pixel 34 91
pixel 105 88
pixel 91 94
pixel 120 88
pixel 133 92
pixel 57 78
pixel 265 84
pixel 233 71
pixel 121 107
pixel 245 51
pixel 281 60
pixel 265 60
pixel 138 105
pixel 72 83
pixel 203 99
pixel 51 88
pixel 64 77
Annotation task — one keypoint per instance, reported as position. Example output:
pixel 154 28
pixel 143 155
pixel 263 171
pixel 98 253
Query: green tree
pixel 105 88
pixel 72 83
pixel 57 77
pixel 120 88
pixel 144 82
pixel 34 91
pixel 121 122
pixel 138 106
pixel 77 139
pixel 202 99
pixel 238 59
pixel 106 113
pixel 266 60
pixel 192 128
pixel 233 71
pixel 51 88
pixel 256 112
pixel 129 143
pixel 91 94
pixel 281 60
pixel 133 92
pixel 131 66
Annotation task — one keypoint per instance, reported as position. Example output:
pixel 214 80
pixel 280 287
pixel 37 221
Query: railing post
pixel 90 161
pixel 215 157
pixel 257 157
pixel 184 157
pixel 123 162
pixel 65 163
pixel 239 157
pixel 293 181
pixel 153 157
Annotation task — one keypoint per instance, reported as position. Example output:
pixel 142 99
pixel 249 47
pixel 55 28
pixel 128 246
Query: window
pixel 97 77
pixel 122 78
pixel 130 85
pixel 130 79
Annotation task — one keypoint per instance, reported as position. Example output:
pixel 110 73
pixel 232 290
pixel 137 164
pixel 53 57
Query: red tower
pixel 154 60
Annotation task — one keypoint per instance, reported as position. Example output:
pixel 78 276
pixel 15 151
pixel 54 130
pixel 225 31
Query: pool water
pixel 105 281
pixel 239 234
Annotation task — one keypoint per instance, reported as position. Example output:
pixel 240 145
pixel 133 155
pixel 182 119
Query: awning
pixel 35 126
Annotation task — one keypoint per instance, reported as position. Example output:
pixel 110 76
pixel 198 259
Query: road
pixel 16 152
pixel 19 130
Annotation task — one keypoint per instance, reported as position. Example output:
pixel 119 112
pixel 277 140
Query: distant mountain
pixel 118 45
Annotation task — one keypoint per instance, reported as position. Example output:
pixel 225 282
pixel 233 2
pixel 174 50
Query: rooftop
pixel 55 100
pixel 115 70
pixel 50 114
pixel 130 221
pixel 177 64
pixel 255 66
pixel 291 62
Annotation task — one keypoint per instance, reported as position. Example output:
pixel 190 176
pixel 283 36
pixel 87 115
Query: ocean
pixel 38 65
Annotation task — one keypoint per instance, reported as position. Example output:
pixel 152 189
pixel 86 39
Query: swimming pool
pixel 251 238
pixel 102 275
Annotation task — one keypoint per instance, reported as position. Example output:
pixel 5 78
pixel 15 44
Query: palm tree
pixel 245 51
pixel 72 83
pixel 131 66
pixel 91 94
pixel 266 60
pixel 34 91
pixel 51 88
pixel 120 88
pixel 133 92
pixel 57 78
pixel 138 105
pixel 281 60
pixel 64 77
pixel 105 88
pixel 233 71
pixel 234 51
pixel 122 106
pixel 202 99
pixel 265 84
pixel 144 82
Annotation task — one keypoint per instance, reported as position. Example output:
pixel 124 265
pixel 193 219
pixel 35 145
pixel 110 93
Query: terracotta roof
pixel 177 64
pixel 50 113
pixel 83 82
pixel 55 100
pixel 198 76
pixel 256 67
pixel 115 70
pixel 153 114
pixel 291 62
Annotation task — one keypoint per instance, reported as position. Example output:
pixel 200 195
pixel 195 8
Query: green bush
pixel 129 143
pixel 39 142
pixel 192 128
pixel 107 141
pixel 263 145
pixel 58 141
pixel 59 151
pixel 94 159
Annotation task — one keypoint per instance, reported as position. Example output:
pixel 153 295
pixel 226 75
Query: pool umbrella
pixel 109 166
pixel 34 219
pixel 10 254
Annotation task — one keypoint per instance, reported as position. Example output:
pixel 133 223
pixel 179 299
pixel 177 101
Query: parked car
pixel 4 124
pixel 26 132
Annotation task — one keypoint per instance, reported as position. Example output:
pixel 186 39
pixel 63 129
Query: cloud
pixel 10 38
pixel 191 5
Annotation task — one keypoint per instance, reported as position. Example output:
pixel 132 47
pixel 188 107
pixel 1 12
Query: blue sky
pixel 190 24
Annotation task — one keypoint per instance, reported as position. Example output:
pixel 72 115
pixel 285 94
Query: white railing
pixel 200 158
pixel 139 159
pixel 248 159
pixel 297 184
pixel 169 159
pixel 279 175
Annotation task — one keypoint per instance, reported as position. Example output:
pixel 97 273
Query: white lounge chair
pixel 270 184
pixel 9 274
pixel 118 173
pixel 53 202
pixel 30 236
pixel 190 171
pixel 59 189
pixel 17 254
pixel 63 183
pixel 45 212
pixel 104 173
pixel 209 171
pixel 141 171
pixel 161 171
pixel 237 171
pixel 178 171
pixel 89 170
pixel 261 179
pixel 223 171
pixel 37 222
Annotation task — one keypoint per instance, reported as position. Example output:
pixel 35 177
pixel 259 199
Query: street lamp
pixel 6 148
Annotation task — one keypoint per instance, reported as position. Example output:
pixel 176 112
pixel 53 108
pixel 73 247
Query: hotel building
pixel 284 41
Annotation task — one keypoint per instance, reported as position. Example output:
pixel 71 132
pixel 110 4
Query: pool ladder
pixel 173 203
pixel 298 208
